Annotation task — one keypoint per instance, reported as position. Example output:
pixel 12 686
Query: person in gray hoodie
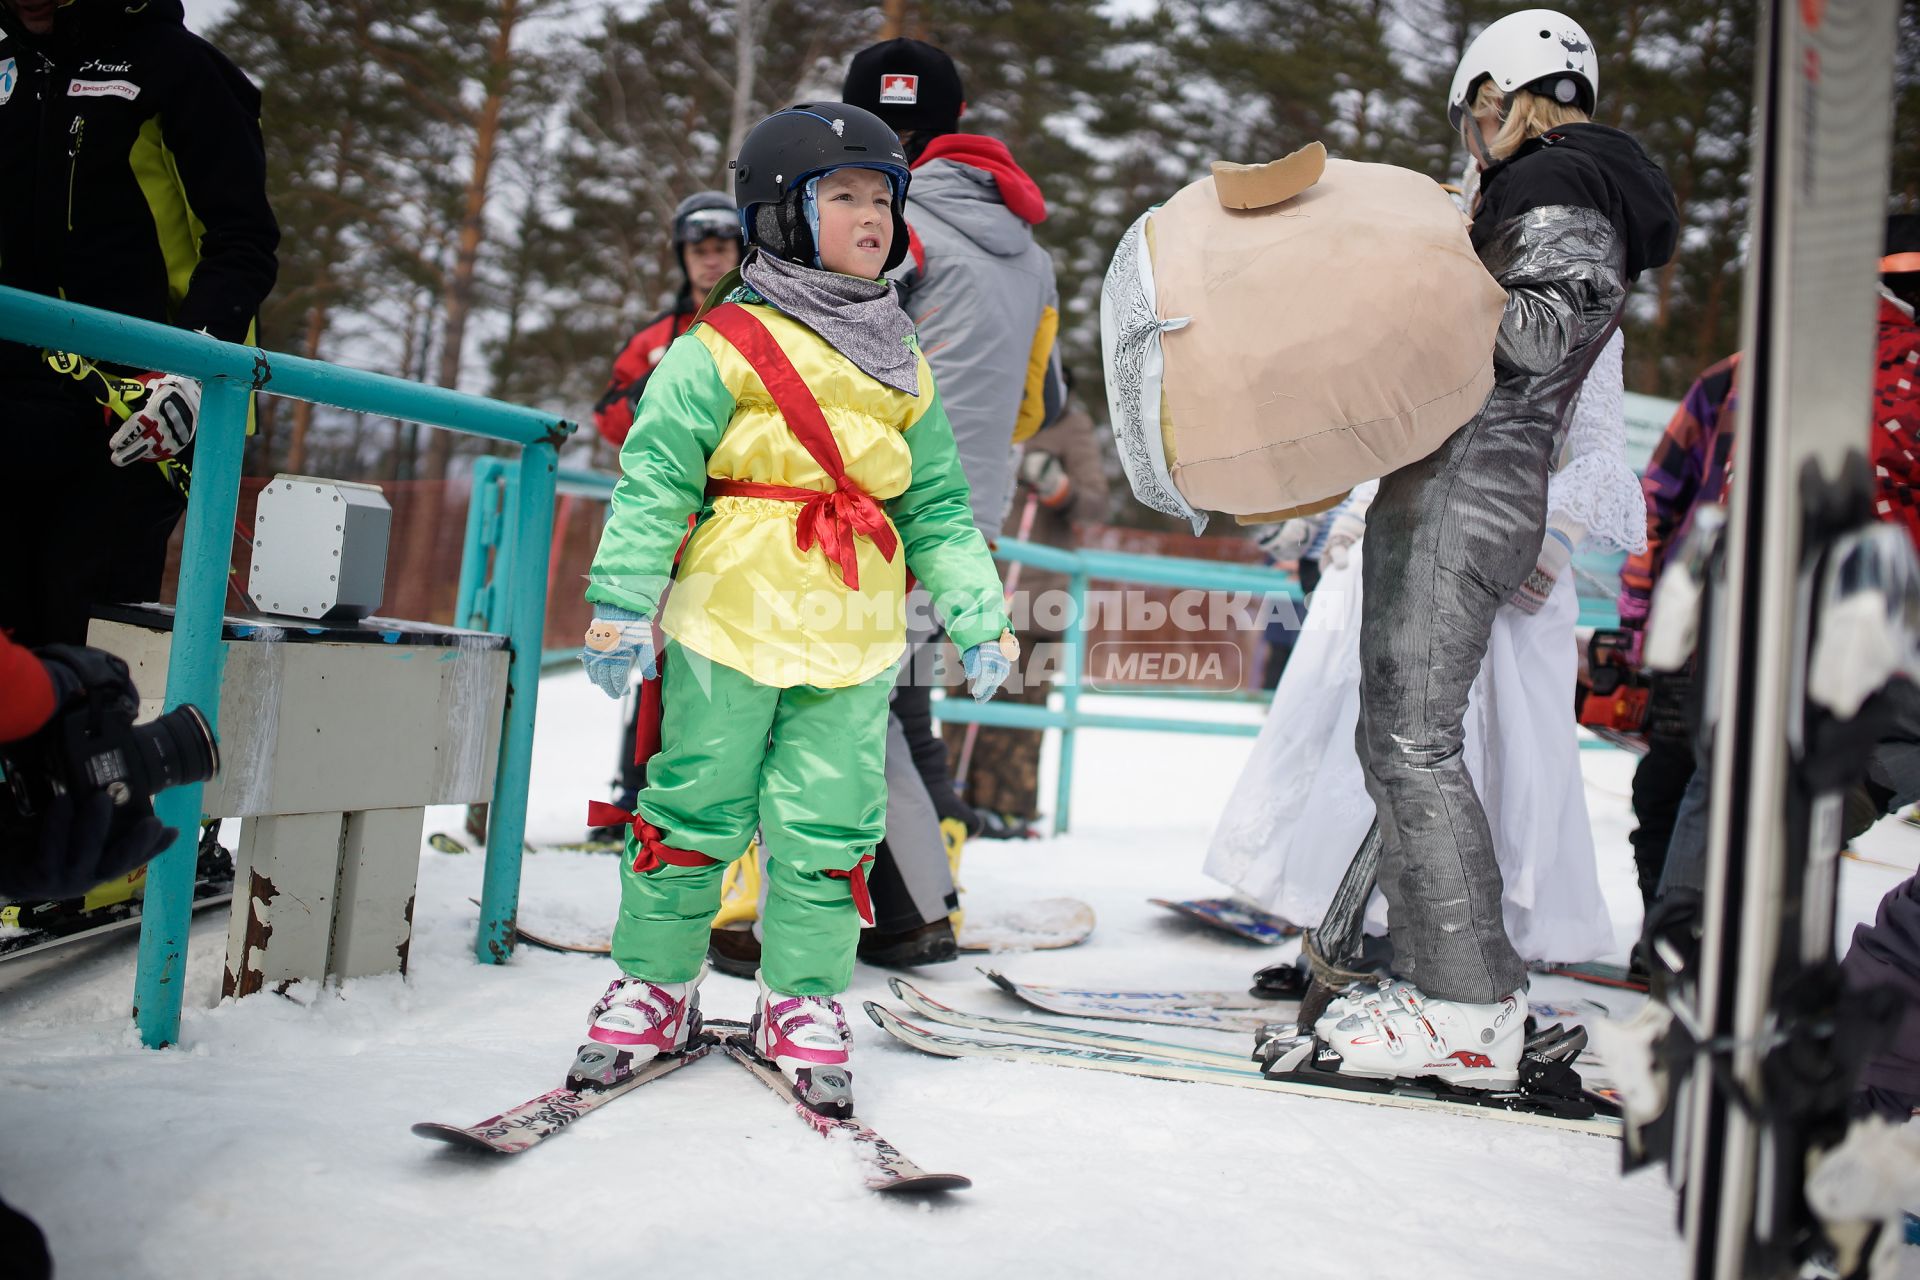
pixel 981 292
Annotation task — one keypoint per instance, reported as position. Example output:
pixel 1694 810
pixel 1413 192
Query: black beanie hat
pixel 1902 245
pixel 910 84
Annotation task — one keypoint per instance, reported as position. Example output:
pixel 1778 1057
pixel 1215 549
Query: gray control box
pixel 319 549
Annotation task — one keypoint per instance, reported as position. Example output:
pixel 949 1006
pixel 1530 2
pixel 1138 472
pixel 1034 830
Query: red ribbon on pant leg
pixel 857 881
pixel 654 851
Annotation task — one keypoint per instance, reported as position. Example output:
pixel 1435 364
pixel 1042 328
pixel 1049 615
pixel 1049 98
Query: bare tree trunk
pixel 303 409
pixel 266 419
pixel 319 314
pixel 521 275
pixel 458 301
pixel 399 465
pixel 893 20
pixel 746 68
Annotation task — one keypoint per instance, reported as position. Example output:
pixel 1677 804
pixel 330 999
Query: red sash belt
pixel 830 518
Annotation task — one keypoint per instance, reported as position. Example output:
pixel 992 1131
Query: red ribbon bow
pixel 834 519
pixel 654 852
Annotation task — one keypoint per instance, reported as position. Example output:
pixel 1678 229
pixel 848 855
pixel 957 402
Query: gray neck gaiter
pixel 861 319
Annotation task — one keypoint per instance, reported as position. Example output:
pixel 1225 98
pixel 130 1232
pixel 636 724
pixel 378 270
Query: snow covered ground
pixel 274 1140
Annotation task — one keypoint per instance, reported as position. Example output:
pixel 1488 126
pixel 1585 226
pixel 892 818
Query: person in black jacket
pixel 132 178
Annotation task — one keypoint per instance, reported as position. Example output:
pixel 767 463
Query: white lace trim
pixel 1130 329
pixel 1594 485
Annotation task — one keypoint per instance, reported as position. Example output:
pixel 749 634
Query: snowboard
pixel 441 842
pixel 1046 924
pixel 1229 916
pixel 557 939
pixel 1616 976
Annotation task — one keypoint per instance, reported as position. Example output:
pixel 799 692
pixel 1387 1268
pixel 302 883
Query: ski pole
pixel 1013 584
pixel 1333 949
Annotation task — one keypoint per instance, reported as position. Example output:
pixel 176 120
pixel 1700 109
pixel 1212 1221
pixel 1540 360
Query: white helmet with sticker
pixel 1539 49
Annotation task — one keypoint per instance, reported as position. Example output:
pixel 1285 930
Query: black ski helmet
pixel 704 215
pixel 722 219
pixel 804 141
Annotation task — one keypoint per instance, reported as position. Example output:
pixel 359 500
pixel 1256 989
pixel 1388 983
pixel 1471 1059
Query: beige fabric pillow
pixel 1333 337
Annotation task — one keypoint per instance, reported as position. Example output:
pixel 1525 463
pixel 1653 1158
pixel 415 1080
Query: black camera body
pixel 92 744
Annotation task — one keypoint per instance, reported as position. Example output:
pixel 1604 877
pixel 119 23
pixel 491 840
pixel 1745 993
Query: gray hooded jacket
pixel 982 293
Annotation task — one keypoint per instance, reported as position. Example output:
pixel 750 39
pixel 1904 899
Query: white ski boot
pixel 1394 1031
pixel 808 1039
pixel 635 1022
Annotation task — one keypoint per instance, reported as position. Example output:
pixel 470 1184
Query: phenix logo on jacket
pixel 981 291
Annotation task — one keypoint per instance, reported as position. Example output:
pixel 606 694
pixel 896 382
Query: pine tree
pixel 652 118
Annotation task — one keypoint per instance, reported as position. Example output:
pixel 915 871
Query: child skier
pixel 797 430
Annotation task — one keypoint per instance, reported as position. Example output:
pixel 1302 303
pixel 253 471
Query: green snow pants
pixel 805 767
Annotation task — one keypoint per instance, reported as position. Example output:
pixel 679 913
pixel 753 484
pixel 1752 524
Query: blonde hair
pixel 1528 116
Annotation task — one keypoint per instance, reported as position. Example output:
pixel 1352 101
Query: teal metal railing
pixel 230 373
pixel 1080 567
pixel 486 563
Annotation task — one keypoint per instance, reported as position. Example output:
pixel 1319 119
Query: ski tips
pixel 904 990
pixel 999 980
pixel 876 1012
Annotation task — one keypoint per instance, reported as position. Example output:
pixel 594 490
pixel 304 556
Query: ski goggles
pixel 709 224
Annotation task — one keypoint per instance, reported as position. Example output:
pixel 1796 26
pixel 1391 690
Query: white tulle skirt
pixel 1300 808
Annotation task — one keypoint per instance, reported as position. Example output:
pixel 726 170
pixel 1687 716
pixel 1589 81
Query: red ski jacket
pixel 613 415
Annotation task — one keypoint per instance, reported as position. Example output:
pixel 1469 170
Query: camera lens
pixel 175 749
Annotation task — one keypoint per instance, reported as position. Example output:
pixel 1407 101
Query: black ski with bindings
pixel 27 928
pixel 1750 1047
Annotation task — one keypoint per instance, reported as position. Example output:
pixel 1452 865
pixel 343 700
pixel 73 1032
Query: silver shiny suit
pixel 1449 538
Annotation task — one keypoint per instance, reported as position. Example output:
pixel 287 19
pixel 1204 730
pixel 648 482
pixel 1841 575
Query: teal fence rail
pixel 486 559
pixel 230 373
pixel 1080 568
